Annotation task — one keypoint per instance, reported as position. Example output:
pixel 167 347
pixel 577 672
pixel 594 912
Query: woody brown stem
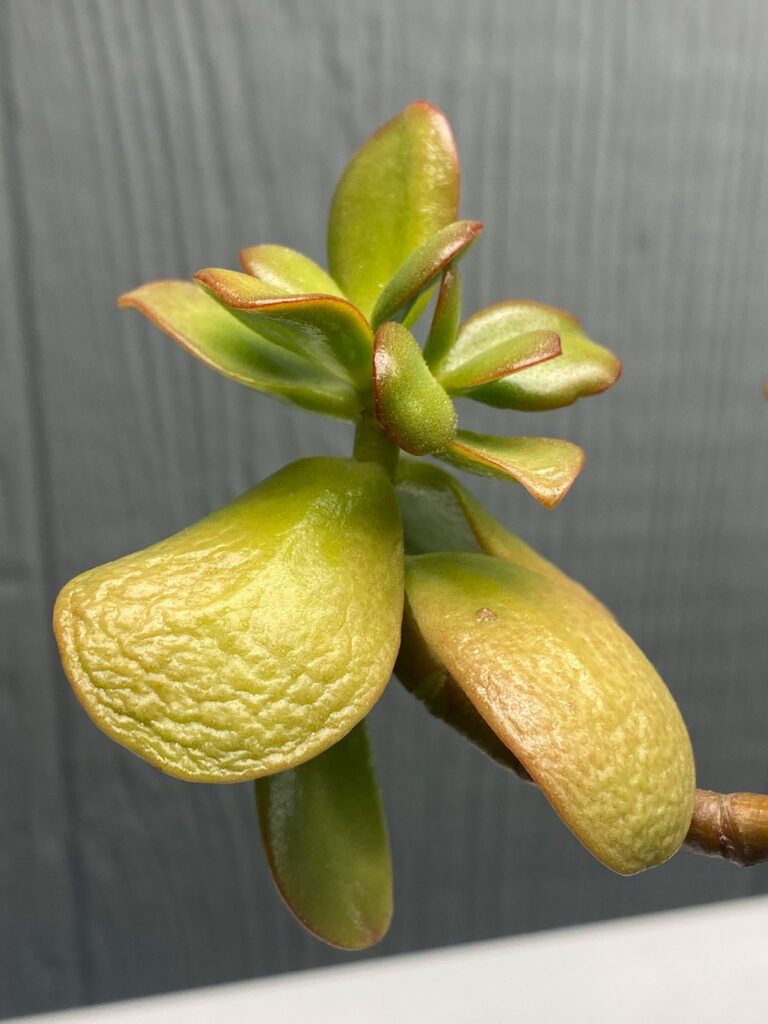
pixel 732 825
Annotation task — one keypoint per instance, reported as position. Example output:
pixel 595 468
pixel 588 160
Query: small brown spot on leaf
pixel 486 615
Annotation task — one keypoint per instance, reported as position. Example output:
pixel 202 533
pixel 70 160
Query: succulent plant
pixel 252 644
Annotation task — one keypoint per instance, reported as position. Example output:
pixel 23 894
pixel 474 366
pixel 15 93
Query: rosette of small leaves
pixel 252 644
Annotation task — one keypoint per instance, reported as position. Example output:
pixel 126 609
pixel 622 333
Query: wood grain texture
pixel 617 153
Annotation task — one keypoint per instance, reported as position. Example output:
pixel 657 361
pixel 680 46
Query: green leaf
pixel 325 329
pixel 399 188
pixel 420 268
pixel 217 338
pixel 253 640
pixel 291 271
pixel 326 840
pixel 570 694
pixel 582 369
pixel 433 519
pixel 410 405
pixel 546 467
pixel 440 514
pixel 445 320
pixel 506 357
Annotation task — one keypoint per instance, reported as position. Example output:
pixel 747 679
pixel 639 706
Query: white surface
pixel 706 964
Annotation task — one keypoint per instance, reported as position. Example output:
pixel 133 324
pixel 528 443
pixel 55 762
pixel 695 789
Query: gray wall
pixel 617 153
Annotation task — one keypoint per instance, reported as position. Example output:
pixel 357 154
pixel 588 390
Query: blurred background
pixel 617 153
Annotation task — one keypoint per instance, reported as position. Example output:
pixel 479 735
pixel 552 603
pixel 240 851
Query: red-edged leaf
pixel 399 188
pixel 291 271
pixel 546 467
pixel 211 333
pixel 582 369
pixel 325 329
pixel 420 269
pixel 410 405
pixel 500 360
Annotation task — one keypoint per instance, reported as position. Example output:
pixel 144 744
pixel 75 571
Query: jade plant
pixel 252 645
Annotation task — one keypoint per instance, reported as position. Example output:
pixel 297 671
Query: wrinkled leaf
pixel 445 319
pixel 570 694
pixel 291 271
pixel 419 270
pixel 252 640
pixel 217 338
pixel 325 329
pixel 399 188
pixel 326 840
pixel 545 466
pixel 500 360
pixel 582 369
pixel 410 405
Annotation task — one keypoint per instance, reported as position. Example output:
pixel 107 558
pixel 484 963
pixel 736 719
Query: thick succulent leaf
pixel 326 840
pixel 445 319
pixel 399 188
pixel 433 519
pixel 411 406
pixel 440 514
pixel 425 676
pixel 325 329
pixel 570 694
pixel 253 640
pixel 289 270
pixel 545 466
pixel 419 270
pixel 217 338
pixel 582 369
pixel 500 360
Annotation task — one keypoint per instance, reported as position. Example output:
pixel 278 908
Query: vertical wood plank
pixel 39 933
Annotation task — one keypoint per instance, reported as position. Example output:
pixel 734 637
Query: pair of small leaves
pixel 543 373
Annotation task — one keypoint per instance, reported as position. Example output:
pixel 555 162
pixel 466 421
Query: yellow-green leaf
pixel 419 270
pixel 399 188
pixel 326 840
pixel 325 329
pixel 446 317
pixel 545 466
pixel 500 360
pixel 410 405
pixel 218 339
pixel 582 369
pixel 289 270
pixel 570 694
pixel 253 640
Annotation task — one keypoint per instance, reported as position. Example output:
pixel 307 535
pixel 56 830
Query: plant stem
pixel 373 445
pixel 732 825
